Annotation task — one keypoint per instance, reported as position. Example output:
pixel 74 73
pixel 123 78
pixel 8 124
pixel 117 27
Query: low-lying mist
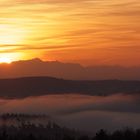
pixel 83 112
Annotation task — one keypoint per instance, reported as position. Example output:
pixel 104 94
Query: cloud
pixel 76 104
pixel 81 111
pixel 55 26
pixel 114 103
pixel 19 48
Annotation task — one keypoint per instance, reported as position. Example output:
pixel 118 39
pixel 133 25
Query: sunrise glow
pixel 11 35
pixel 70 62
pixel 87 32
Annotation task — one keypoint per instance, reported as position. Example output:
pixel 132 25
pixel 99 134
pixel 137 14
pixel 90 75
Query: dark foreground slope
pixel 23 128
pixel 38 86
pixel 52 131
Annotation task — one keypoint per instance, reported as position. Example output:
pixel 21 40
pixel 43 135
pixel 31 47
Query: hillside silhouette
pixel 38 86
pixel 26 130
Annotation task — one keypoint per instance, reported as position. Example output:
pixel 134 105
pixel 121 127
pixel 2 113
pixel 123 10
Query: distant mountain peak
pixel 72 71
pixel 34 60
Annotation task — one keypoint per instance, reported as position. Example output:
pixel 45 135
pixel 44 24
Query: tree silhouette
pixel 84 138
pixel 101 135
pixel 26 130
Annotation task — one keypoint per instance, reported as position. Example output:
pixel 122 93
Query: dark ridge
pixel 39 86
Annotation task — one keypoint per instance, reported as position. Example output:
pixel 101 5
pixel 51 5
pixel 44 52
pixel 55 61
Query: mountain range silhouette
pixel 71 71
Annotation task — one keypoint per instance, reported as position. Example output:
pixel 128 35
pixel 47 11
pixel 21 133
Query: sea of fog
pixel 83 112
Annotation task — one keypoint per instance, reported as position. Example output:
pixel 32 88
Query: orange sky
pixel 90 32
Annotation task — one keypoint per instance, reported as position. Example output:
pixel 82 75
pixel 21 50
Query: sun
pixel 10 57
pixel 5 60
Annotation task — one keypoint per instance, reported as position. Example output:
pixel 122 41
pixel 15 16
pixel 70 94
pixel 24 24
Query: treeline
pixel 26 130
pixel 55 132
pixel 30 131
pixel 22 117
pixel 125 134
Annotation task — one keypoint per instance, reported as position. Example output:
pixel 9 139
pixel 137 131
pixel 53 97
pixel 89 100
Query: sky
pixel 89 32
